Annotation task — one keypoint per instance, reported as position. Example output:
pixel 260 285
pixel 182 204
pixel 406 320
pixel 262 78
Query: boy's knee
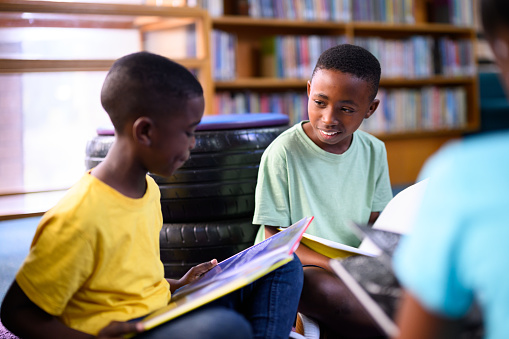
pixel 230 324
pixel 321 282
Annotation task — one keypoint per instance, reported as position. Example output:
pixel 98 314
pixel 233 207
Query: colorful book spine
pixel 421 56
pixel 223 57
pixel 411 110
pixel 294 104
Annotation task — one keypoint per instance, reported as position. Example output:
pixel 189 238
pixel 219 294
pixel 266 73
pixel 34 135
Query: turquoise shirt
pixel 298 179
pixel 458 249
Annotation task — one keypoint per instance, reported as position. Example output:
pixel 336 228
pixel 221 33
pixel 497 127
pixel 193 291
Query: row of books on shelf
pixel 311 10
pixel 292 103
pixel 282 56
pixel 400 110
pixel 421 56
pixel 223 56
pixel 456 12
pixel 290 56
pixel 389 11
pixel 424 109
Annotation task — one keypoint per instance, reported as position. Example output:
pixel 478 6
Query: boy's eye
pixel 347 110
pixel 190 134
pixel 319 102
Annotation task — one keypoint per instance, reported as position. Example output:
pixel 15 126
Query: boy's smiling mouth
pixel 328 134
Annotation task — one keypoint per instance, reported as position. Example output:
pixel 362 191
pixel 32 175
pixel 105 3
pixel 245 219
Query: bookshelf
pixel 53 59
pixel 450 74
pixel 152 24
pixel 254 85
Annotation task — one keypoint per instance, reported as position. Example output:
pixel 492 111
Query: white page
pixel 399 215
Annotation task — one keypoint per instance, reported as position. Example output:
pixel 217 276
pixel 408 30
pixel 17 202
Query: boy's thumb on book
pixel 213 262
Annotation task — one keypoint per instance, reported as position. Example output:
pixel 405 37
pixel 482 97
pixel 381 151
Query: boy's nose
pixel 192 143
pixel 328 118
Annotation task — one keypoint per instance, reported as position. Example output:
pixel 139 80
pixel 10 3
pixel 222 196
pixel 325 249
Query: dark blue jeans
pixel 264 309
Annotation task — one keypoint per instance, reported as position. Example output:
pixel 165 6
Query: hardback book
pixel 232 274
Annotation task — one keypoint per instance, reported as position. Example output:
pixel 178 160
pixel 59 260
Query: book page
pixel 266 252
pixel 332 249
pixel 399 214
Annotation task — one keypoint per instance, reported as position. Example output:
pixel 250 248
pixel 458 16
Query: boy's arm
pixel 25 319
pixel 415 322
pixel 372 217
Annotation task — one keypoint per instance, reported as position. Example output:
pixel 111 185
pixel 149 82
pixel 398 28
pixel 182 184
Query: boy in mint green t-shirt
pixel 327 168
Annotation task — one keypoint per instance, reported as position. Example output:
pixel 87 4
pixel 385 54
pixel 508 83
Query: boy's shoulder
pixel 287 137
pixel 369 140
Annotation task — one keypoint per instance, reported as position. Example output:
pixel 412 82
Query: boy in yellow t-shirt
pixel 94 267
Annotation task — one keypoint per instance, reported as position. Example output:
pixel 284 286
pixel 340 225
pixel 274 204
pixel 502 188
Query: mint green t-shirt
pixel 298 179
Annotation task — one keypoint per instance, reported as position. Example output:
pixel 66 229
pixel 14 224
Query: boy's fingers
pixel 205 267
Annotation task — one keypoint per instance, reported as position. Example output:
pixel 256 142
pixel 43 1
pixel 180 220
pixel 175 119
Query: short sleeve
pixel 427 261
pixel 272 205
pixel 59 262
pixel 383 189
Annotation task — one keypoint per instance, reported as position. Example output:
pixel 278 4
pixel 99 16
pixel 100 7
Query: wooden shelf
pixel 258 83
pixel 24 66
pixel 411 29
pixel 98 9
pixel 409 149
pixel 246 21
pixel 144 18
pixel 454 132
pixel 28 205
pixel 271 83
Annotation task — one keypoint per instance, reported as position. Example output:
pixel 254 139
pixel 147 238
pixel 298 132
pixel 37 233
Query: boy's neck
pixel 121 172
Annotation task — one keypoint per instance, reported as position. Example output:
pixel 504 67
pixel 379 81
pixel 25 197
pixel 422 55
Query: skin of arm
pixel 306 255
pixel 18 310
pixel 416 322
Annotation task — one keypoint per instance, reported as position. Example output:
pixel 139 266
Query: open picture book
pixel 233 273
pixel 397 217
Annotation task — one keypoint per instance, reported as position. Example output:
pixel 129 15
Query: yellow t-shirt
pixel 95 257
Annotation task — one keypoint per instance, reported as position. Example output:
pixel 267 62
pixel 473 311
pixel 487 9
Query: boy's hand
pixel 197 271
pixel 117 330
pixel 193 274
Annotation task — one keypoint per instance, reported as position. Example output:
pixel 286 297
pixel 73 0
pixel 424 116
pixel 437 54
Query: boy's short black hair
pixel 494 15
pixel 146 84
pixel 353 60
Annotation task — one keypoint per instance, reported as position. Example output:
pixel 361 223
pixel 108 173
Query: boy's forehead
pixel 328 83
pixel 333 73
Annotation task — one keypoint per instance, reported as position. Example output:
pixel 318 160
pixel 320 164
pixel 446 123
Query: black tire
pixel 186 245
pixel 207 202
pixel 213 148
pixel 218 174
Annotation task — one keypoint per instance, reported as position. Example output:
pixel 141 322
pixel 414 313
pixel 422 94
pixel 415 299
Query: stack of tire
pixel 208 203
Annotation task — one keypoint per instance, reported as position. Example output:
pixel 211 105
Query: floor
pixel 15 238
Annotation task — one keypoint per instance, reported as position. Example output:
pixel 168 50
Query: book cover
pixel 232 274
pixel 332 249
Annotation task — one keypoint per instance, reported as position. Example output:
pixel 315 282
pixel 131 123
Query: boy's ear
pixel 309 87
pixel 372 108
pixel 143 131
